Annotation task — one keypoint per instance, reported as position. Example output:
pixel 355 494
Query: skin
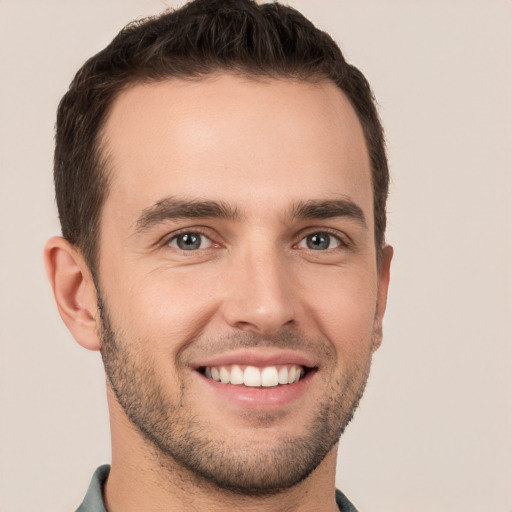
pixel 253 288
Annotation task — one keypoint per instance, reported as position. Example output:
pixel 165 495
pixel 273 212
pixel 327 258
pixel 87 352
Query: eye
pixel 320 242
pixel 190 241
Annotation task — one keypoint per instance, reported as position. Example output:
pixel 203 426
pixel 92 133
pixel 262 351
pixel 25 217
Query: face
pixel 237 271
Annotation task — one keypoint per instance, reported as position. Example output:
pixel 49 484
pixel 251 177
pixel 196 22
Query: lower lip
pixel 260 397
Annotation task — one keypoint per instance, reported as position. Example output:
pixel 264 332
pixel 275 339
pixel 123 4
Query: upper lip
pixel 257 357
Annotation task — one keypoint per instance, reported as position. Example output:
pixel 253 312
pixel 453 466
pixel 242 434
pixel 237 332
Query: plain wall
pixel 434 430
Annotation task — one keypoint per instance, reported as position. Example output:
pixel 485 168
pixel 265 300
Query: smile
pixel 253 376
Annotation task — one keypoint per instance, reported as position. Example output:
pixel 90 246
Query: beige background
pixel 434 431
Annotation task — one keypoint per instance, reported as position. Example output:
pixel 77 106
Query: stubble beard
pixel 180 438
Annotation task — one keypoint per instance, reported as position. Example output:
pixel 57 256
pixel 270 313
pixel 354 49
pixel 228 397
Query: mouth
pixel 259 379
pixel 255 376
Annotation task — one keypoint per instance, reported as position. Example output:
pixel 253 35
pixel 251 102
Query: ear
pixel 382 294
pixel 74 291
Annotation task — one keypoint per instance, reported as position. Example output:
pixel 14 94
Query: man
pixel 221 182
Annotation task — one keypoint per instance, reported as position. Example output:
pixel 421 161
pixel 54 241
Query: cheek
pixel 170 307
pixel 342 304
pixel 165 308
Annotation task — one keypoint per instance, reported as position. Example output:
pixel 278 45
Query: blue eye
pixel 190 241
pixel 320 242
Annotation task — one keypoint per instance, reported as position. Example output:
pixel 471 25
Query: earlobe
pixel 74 291
pixel 382 294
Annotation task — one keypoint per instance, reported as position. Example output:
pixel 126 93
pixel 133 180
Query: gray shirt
pixel 93 501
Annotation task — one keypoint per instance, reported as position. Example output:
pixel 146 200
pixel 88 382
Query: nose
pixel 260 295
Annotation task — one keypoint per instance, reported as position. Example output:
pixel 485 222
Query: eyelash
pixel 342 240
pixel 194 231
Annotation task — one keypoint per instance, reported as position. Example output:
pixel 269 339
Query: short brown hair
pixel 202 37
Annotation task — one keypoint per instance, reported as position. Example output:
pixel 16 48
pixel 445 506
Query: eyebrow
pixel 327 209
pixel 172 209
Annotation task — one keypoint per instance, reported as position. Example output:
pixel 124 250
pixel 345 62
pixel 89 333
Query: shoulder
pixel 93 501
pixel 343 503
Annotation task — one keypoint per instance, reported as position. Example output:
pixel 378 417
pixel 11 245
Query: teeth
pixel 269 377
pixel 252 376
pixel 237 375
pixel 224 375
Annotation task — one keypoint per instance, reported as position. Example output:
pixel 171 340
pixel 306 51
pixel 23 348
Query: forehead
pixel 251 142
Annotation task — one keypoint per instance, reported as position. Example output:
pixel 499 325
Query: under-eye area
pixel 253 376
